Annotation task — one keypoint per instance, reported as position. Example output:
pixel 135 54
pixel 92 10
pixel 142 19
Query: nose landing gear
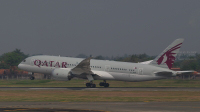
pixel 32 75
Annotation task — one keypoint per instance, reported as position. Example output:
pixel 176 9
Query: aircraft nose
pixel 20 66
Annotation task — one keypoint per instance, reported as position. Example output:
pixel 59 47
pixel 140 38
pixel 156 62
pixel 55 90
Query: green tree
pixel 12 58
pixel 190 65
pixel 4 66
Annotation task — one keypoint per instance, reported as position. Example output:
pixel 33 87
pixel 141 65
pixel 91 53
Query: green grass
pixel 97 96
pixel 81 83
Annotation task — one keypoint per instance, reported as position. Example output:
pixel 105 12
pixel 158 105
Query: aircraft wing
pixel 83 68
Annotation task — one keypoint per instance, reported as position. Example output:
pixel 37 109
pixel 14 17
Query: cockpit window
pixel 24 60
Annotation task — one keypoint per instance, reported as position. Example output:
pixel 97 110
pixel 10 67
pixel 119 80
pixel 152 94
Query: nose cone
pixel 20 66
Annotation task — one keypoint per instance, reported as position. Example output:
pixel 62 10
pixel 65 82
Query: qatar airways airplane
pixel 65 68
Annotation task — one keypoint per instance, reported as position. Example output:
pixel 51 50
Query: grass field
pixel 81 83
pixel 97 96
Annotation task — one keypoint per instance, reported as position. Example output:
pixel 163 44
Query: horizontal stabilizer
pixel 170 74
pixel 184 72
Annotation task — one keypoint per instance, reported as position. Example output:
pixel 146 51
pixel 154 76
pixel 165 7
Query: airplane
pixel 66 68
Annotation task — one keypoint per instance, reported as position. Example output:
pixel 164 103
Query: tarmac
pixel 101 106
pixel 106 89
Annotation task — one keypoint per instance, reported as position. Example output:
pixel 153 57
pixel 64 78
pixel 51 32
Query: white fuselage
pixel 104 70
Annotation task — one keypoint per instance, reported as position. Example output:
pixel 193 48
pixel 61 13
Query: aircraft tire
pixel 101 84
pixel 106 85
pixel 88 85
pixel 32 78
pixel 93 85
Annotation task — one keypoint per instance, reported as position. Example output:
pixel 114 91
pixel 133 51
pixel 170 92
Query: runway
pixel 101 106
pixel 106 89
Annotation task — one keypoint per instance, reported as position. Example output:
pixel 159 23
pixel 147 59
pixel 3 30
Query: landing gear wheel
pixel 93 85
pixel 106 85
pixel 101 84
pixel 32 78
pixel 88 85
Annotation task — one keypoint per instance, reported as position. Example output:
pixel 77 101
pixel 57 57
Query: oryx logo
pixel 168 57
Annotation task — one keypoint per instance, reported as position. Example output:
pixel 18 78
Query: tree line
pixel 11 59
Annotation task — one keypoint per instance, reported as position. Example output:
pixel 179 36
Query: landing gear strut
pixel 90 85
pixel 104 84
pixel 32 75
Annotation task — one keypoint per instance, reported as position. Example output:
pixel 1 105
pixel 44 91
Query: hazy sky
pixel 98 27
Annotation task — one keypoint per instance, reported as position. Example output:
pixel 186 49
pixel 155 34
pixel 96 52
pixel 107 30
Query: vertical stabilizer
pixel 167 57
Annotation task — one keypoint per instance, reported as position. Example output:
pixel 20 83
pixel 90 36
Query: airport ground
pixel 81 83
pixel 100 106
pixel 176 97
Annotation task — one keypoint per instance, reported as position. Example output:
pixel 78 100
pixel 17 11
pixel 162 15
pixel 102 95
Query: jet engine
pixel 62 74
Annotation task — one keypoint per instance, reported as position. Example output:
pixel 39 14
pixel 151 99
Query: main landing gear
pixel 104 84
pixel 90 84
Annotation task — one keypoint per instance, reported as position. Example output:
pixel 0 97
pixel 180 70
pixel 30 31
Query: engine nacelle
pixel 62 74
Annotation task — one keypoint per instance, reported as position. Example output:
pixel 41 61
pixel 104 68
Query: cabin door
pixel 32 61
pixel 140 71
